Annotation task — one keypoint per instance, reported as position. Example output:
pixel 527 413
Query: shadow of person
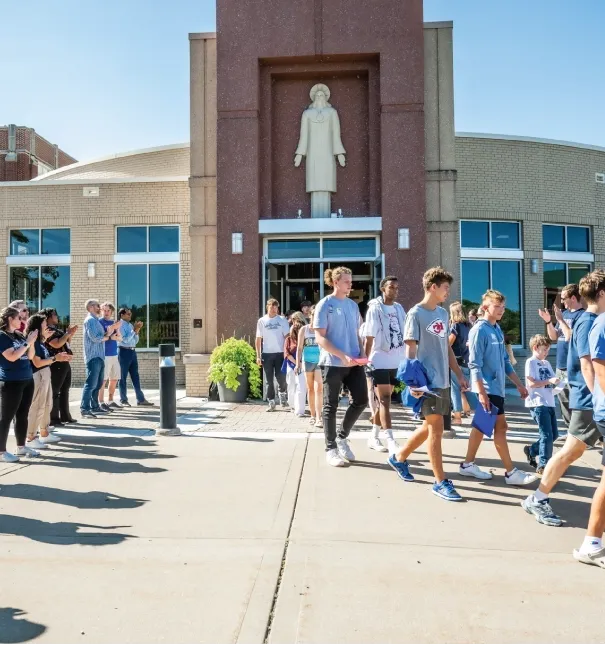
pixel 15 629
pixel 87 500
pixel 100 465
pixel 122 453
pixel 106 441
pixel 61 533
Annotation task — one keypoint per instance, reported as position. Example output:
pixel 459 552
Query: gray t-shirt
pixel 273 331
pixel 430 330
pixel 341 320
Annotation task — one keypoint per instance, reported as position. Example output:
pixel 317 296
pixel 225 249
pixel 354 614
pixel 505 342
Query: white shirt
pixel 539 371
pixel 386 360
pixel 273 331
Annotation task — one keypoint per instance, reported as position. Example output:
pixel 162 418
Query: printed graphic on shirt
pixel 544 375
pixel 273 324
pixel 395 333
pixel 437 328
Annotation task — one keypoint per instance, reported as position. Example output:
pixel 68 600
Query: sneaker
pixel 105 407
pixel 145 403
pixel 519 478
pixel 446 491
pixel 402 468
pixel 99 411
pixel 530 460
pixel 319 423
pixel 374 443
pixel 271 407
pixel 597 558
pixel 542 511
pixel 283 401
pixel 540 470
pixel 334 459
pixel 35 444
pixel 449 434
pixel 473 470
pixel 87 414
pixel 27 451
pixel 9 458
pixel 51 438
pixel 115 405
pixel 125 404
pixel 392 446
pixel 344 450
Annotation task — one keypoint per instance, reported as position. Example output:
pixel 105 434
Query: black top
pixel 41 352
pixel 57 333
pixel 460 345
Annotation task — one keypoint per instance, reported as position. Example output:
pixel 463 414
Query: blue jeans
pixel 471 397
pixel 95 371
pixel 546 419
pixel 129 365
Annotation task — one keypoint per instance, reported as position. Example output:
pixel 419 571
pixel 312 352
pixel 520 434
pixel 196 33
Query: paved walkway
pixel 242 535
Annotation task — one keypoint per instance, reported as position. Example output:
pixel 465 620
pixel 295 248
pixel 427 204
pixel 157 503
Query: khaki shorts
pixel 436 404
pixel 112 368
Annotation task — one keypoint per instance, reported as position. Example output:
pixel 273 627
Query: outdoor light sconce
pixel 237 243
pixel 403 238
pixel 92 270
pixel 534 266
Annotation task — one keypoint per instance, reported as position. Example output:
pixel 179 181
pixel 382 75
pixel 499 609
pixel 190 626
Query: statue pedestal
pixel 321 202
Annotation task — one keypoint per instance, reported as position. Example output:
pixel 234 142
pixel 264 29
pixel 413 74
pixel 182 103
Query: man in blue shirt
pixel 582 431
pixel 112 366
pixel 127 356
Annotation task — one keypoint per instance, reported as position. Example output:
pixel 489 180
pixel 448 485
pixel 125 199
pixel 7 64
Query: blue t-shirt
pixel 596 341
pixel 580 397
pixel 570 318
pixel 41 352
pixel 341 320
pixel 19 370
pixel 111 346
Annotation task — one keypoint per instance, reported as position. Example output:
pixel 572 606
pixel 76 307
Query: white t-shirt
pixel 539 371
pixel 273 331
pixel 386 360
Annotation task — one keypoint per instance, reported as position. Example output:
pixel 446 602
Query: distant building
pixel 24 154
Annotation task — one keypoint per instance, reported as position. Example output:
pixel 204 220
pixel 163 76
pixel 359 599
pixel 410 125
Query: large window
pixel 42 286
pixel 503 275
pixel 148 283
pixel 489 235
pixel 36 241
pixel 566 239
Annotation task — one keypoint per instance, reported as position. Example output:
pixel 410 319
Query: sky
pixel 106 76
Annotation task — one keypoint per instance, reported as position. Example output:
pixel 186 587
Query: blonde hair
pixel 457 313
pixel 539 340
pixel 491 294
pixel 271 302
pixel 298 322
pixel 436 276
pixel 332 276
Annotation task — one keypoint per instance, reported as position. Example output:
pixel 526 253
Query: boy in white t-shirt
pixel 540 380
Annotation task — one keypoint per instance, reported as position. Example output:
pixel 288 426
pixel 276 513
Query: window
pixel 292 249
pixel 147 239
pixel 349 248
pixel 559 274
pixel 489 235
pixel 566 239
pixel 503 275
pixel 42 286
pixel 35 241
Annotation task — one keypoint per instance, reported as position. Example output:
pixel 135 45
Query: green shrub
pixel 231 359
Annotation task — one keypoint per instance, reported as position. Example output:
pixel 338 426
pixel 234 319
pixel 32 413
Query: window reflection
pixel 350 248
pixel 25 242
pixel 553 238
pixel 56 241
pixel 132 293
pixel 578 239
pixel 163 239
pixel 292 249
pixel 505 235
pixel 132 239
pixel 39 287
pixel 163 304
pixel 474 235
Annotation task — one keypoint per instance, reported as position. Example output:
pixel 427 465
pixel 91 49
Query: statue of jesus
pixel 320 143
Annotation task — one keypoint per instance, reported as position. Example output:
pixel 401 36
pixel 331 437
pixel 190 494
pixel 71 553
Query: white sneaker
pixel 474 471
pixel 344 450
pixel 50 428
pixel 35 444
pixel 319 423
pixel 334 459
pixel 26 451
pixel 449 434
pixel 271 407
pixel 374 443
pixel 9 458
pixel 392 446
pixel 519 478
pixel 51 438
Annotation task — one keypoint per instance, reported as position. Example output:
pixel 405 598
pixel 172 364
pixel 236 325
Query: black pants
pixel 60 378
pixel 354 379
pixel 272 368
pixel 15 401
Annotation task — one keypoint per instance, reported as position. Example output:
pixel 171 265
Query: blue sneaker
pixel 402 468
pixel 446 491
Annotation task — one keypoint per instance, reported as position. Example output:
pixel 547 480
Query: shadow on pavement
pixel 114 442
pixel 65 533
pixel 205 436
pixel 88 500
pixel 16 629
pixel 100 465
pixel 83 447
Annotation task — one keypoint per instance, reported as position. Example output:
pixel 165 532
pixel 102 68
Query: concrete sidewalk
pixel 232 536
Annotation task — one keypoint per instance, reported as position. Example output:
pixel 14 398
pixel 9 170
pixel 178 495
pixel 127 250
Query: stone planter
pixel 227 395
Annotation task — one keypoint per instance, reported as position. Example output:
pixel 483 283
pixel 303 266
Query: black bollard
pixel 168 425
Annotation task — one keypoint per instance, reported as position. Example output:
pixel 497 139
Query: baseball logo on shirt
pixel 437 328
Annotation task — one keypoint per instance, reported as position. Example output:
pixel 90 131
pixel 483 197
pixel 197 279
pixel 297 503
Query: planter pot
pixel 227 395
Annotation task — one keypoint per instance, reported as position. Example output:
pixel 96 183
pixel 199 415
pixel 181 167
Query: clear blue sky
pixel 112 75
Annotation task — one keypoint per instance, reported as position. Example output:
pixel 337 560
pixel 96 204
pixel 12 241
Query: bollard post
pixel 168 425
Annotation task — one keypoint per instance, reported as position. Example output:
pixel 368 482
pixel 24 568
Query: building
pixel 25 155
pixel 196 237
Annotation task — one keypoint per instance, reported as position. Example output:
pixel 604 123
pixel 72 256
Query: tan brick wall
pixel 92 221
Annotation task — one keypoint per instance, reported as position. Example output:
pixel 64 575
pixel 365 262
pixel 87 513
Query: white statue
pixel 320 143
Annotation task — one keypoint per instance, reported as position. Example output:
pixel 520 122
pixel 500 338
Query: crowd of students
pixel 450 364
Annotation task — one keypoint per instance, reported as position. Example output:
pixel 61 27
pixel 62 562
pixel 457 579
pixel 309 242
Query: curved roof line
pixel 117 155
pixel 514 137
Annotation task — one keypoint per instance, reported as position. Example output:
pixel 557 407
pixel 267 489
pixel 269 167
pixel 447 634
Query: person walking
pixel 127 357
pixel 16 383
pixel 94 337
pixel 385 349
pixel 112 364
pixel 342 359
pixel 295 379
pixel 307 361
pixel 60 371
pixel 427 341
pixel 38 420
pixel 271 331
pixel 460 328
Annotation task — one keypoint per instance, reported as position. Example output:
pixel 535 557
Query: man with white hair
pixel 95 337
